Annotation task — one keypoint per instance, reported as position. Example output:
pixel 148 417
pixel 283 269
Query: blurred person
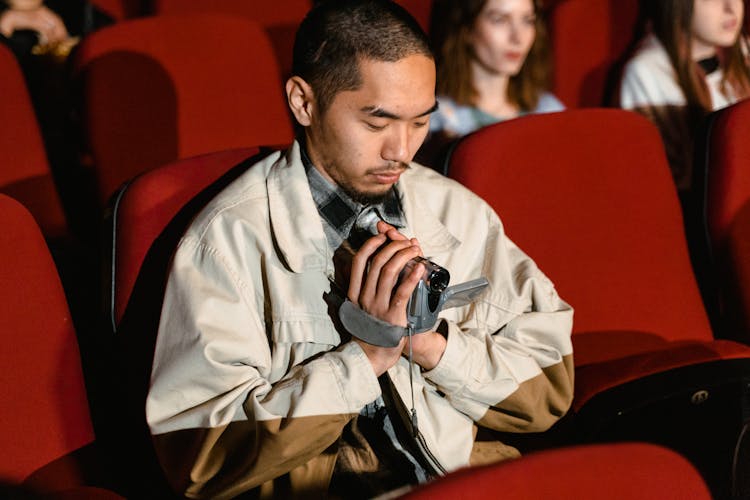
pixel 33 15
pixel 492 65
pixel 692 60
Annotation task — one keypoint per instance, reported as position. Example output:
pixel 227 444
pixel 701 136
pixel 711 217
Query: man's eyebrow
pixel 382 113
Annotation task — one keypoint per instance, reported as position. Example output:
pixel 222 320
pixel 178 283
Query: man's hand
pixel 374 286
pixel 50 27
pixel 427 348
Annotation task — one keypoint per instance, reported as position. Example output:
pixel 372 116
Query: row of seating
pixel 158 88
pixel 611 239
pixel 587 36
pixel 618 254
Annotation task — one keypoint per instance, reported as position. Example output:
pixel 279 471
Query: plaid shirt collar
pixel 339 212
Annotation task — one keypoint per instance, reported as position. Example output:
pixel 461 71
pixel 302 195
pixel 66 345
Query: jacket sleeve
pixel 508 363
pixel 225 412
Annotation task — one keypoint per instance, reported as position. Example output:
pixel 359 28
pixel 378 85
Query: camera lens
pixel 438 278
pixel 435 277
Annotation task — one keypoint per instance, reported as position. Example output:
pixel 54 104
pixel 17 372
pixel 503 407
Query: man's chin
pixel 372 197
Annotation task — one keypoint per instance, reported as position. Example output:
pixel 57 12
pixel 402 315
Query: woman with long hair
pixel 492 65
pixel 692 60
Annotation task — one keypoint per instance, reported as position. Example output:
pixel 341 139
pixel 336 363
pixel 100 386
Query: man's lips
pixel 387 176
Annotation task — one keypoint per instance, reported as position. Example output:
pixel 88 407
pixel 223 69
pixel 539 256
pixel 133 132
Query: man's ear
pixel 301 100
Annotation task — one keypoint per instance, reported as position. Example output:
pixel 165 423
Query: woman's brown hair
pixel 451 25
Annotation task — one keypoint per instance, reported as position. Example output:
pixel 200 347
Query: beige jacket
pixel 252 385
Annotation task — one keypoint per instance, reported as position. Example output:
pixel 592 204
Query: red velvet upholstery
pixel 586 39
pixel 45 412
pixel 588 194
pixel 147 218
pixel 145 206
pixel 736 257
pixel 280 18
pixel 613 471
pixel 25 173
pixel 162 88
pixel 119 9
pixel 728 212
pixel 728 188
pixel 420 9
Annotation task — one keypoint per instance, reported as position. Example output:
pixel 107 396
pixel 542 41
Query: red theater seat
pixel 47 438
pixel 280 18
pixel 144 207
pixel 420 9
pixel 162 88
pixel 146 220
pixel 589 195
pixel 25 174
pixel 587 37
pixel 119 9
pixel 613 471
pixel 727 210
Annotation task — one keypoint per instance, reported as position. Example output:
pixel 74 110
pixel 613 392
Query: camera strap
pixel 369 328
pixel 413 411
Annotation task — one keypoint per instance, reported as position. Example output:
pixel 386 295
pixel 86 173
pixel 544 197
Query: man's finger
pixel 359 265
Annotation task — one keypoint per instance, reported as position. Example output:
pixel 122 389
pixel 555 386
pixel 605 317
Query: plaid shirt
pixel 397 467
pixel 340 213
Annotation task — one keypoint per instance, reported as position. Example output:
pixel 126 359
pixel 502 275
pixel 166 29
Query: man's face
pixel 366 138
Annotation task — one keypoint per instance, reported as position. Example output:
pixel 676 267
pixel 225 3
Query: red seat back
pixel 119 9
pixel 45 411
pixel 420 9
pixel 589 195
pixel 164 88
pixel 587 37
pixel 727 211
pixel 144 208
pixel 25 174
pixel 728 186
pixel 280 18
pixel 614 471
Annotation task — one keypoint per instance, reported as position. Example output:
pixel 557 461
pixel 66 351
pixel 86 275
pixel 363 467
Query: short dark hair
pixel 336 34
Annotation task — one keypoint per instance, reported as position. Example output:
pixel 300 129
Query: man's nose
pixel 397 146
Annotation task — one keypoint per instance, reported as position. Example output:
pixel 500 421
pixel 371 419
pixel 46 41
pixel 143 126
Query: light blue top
pixel 459 120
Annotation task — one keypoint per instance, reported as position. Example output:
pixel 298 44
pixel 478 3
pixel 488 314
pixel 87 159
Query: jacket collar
pixel 301 239
pixel 421 221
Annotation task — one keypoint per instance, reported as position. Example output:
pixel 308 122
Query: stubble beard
pixel 357 195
